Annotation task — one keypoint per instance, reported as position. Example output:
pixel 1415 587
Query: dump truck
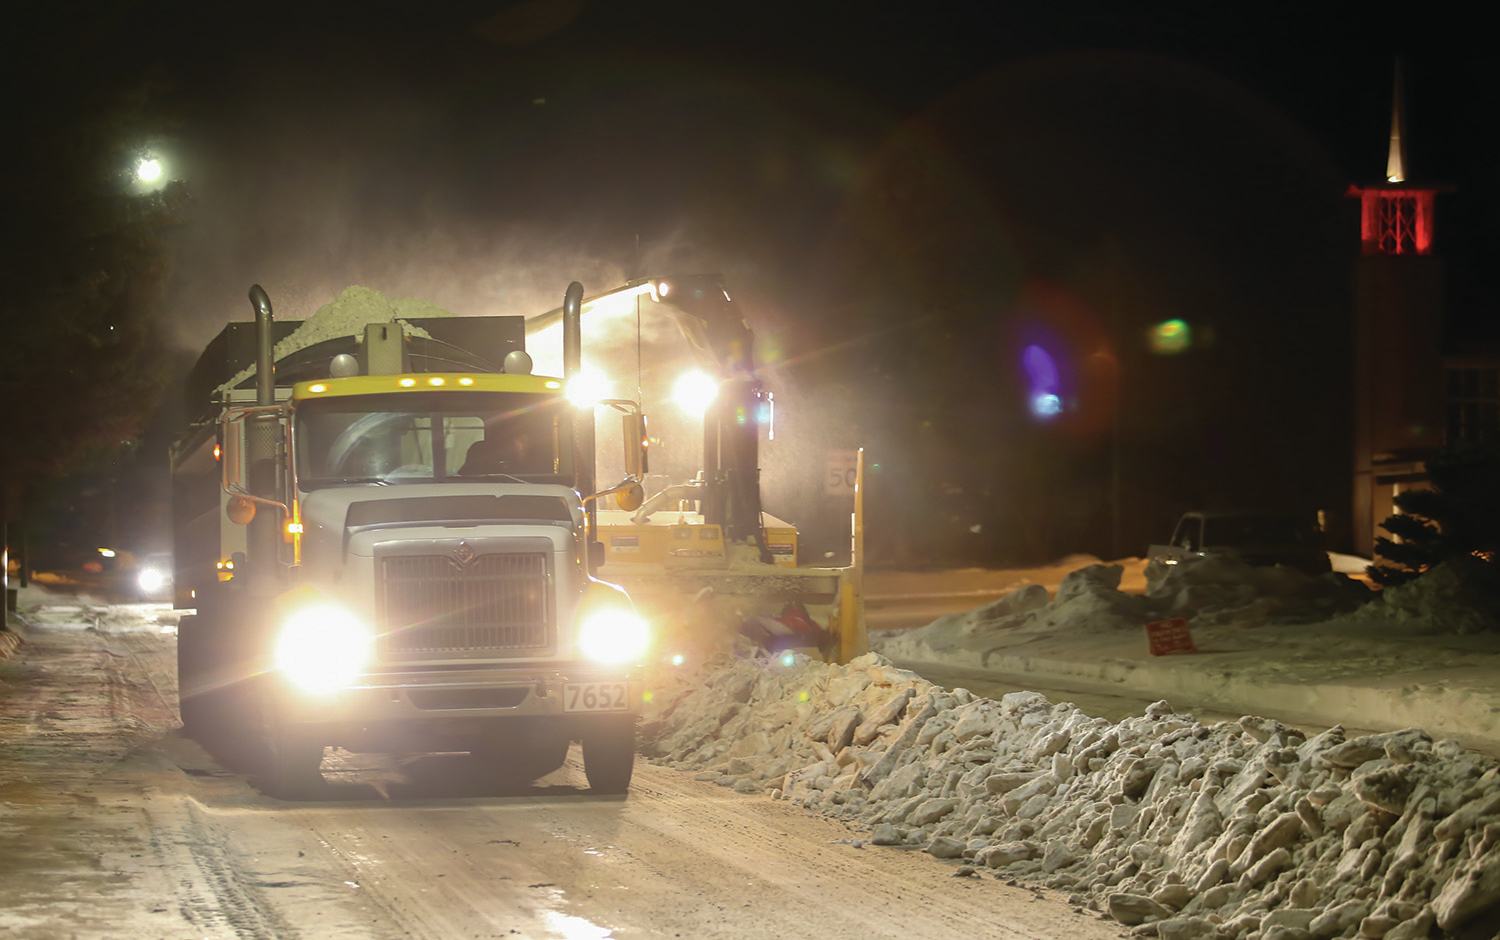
pixel 384 534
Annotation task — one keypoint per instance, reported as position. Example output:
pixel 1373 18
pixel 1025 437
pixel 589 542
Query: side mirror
pixel 630 496
pixel 637 441
pixel 240 510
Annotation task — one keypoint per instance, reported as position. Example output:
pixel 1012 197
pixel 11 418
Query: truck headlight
pixel 322 648
pixel 150 580
pixel 613 636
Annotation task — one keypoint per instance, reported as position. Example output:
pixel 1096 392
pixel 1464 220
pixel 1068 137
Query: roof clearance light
pixel 407 382
pixel 317 388
pixel 107 552
pixel 466 380
pixel 436 380
pixel 218 451
pixel 663 289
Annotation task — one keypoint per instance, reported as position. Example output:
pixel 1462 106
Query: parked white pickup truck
pixel 1249 537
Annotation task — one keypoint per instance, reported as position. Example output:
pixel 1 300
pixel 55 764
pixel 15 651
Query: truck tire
pixel 288 759
pixel 196 705
pixel 609 755
pixel 289 766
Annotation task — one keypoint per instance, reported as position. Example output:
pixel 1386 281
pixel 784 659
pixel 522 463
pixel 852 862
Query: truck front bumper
pixel 468 695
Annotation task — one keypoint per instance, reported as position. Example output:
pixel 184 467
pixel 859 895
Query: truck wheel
pixel 196 705
pixel 609 756
pixel 288 759
pixel 290 767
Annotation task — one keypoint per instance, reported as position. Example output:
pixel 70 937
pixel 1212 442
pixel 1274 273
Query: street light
pixel 148 171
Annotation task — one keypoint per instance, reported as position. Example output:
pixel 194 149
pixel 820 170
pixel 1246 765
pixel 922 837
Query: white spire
pixel 1395 161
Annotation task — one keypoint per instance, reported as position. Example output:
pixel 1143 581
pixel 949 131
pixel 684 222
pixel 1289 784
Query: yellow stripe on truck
pixel 426 382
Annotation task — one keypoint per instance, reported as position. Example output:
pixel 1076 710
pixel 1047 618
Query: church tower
pixel 1398 335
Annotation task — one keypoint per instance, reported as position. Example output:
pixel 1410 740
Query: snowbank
pixel 1219 590
pixel 347 315
pixel 1232 830
pixel 1443 600
pixel 1089 601
pixel 1266 639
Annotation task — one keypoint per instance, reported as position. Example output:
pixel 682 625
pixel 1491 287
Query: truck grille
pixel 495 605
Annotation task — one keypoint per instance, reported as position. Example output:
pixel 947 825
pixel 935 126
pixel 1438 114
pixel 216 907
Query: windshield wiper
pixel 347 481
pixel 509 476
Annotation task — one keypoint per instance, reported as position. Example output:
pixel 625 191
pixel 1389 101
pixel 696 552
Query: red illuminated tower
pixel 1398 333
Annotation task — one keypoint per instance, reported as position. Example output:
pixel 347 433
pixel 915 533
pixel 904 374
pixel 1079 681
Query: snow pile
pixel 347 315
pixel 1232 830
pixel 1203 590
pixel 1216 590
pixel 1445 599
pixel 1088 600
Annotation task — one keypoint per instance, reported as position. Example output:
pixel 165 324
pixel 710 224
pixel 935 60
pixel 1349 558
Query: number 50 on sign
pixel 838 477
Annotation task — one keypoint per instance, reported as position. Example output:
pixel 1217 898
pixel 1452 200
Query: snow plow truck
pixel 382 532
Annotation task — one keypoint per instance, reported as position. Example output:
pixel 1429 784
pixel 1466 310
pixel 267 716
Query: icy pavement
pixel 114 825
pixel 1180 829
pixel 1268 640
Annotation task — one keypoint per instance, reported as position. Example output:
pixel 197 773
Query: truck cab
pixel 402 561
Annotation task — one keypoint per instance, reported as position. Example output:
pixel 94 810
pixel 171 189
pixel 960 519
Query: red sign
pixel 1170 636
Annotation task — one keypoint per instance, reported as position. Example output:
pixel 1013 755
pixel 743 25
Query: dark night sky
pixel 939 184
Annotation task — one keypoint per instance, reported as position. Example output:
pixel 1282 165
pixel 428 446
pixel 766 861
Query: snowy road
pixel 114 824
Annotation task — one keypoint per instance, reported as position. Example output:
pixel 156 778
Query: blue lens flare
pixel 1043 398
pixel 1046 405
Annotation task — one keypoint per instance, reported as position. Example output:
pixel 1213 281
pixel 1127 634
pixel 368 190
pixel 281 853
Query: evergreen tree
pixel 1458 518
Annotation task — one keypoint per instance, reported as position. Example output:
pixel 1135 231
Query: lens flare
pixel 323 648
pixel 1170 337
pixel 694 391
pixel 614 637
pixel 1043 383
pixel 587 388
pixel 1046 405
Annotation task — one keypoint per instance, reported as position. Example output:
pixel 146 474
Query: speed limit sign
pixel 838 478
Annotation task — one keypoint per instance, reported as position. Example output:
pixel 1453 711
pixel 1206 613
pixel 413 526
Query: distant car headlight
pixel 322 648
pixel 613 636
pixel 151 580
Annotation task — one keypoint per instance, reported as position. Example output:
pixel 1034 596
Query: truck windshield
pixel 434 436
pixel 1255 530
